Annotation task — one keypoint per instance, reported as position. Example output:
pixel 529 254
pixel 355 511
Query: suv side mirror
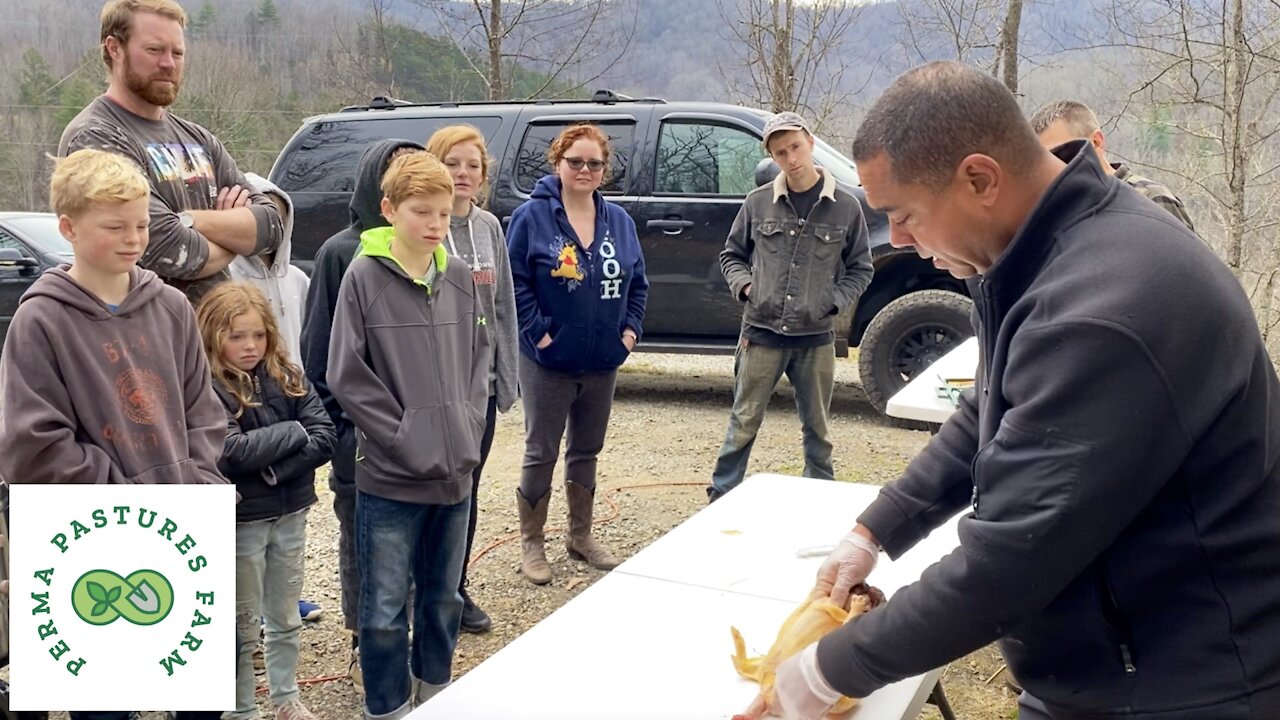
pixel 12 258
pixel 766 171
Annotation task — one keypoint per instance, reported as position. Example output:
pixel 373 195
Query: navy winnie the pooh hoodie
pixel 584 298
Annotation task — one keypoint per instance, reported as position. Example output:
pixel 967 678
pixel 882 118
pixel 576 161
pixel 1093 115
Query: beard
pixel 152 89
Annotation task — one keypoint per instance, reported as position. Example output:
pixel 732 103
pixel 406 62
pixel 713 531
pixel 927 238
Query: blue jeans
pixel 394 539
pixel 756 371
pixel 270 555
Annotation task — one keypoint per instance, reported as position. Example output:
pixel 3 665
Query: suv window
pixel 700 159
pixel 9 242
pixel 325 159
pixel 531 159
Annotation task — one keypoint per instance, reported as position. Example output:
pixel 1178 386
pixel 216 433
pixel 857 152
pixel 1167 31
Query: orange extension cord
pixel 615 512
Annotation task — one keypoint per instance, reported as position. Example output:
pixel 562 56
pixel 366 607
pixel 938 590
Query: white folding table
pixel 919 399
pixel 651 639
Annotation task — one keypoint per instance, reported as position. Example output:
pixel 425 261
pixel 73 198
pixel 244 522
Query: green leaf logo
pixel 145 597
pixel 97 592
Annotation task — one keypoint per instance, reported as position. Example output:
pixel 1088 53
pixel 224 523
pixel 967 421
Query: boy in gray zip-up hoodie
pixel 409 362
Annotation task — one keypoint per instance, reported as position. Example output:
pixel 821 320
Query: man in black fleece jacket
pixel 322 297
pixel 1117 459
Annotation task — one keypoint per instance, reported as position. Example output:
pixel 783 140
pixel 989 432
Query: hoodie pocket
pixel 1115 623
pixel 466 428
pixel 565 350
pixel 1070 646
pixel 611 350
pixel 421 445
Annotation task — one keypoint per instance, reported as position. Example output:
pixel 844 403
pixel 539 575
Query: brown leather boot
pixel 533 555
pixel 578 540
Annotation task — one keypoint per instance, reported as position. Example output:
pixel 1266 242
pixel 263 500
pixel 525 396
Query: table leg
pixel 938 699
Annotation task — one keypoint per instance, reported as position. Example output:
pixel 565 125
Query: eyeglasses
pixel 594 166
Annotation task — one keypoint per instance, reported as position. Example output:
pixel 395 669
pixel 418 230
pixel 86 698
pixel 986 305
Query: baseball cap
pixel 783 122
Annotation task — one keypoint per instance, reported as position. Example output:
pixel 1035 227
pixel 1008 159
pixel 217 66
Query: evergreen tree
pixel 36 80
pixel 79 89
pixel 268 14
pixel 203 22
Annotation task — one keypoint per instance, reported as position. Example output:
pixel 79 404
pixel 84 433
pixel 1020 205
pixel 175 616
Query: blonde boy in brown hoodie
pixel 103 378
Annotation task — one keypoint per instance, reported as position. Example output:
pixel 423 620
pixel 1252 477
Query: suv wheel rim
pixel 919 348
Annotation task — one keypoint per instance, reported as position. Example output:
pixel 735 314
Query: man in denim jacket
pixel 797 257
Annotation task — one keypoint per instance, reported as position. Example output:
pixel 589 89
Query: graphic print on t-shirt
pixel 184 164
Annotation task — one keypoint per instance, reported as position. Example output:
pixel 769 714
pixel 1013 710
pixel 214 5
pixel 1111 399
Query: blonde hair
pixel 88 177
pixel 219 308
pixel 117 19
pixel 581 131
pixel 447 138
pixel 419 173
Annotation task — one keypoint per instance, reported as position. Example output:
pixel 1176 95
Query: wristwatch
pixel 187 219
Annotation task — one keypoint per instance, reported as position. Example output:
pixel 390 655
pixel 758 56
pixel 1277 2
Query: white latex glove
pixel 846 568
pixel 799 691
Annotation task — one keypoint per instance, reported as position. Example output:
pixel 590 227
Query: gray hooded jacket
pixel 478 240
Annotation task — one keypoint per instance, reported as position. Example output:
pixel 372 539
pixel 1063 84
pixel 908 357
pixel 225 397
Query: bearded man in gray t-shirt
pixel 203 211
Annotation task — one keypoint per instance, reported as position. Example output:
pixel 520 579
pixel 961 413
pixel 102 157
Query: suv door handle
pixel 669 227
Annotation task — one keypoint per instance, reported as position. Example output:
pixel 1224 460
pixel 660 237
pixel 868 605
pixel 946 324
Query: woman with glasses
pixel 580 293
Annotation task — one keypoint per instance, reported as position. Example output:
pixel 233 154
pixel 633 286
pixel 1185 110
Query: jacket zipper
pixel 589 273
pixel 431 322
pixel 984 318
pixel 1115 623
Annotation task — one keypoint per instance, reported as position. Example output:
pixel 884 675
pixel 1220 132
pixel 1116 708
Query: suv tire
pixel 908 335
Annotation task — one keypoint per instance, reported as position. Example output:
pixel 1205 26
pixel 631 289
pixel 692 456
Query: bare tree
pixel 978 32
pixel 1009 32
pixel 1211 81
pixel 569 43
pixel 966 31
pixel 363 63
pixel 788 55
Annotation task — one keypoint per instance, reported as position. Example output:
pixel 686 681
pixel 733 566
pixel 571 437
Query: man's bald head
pixel 935 115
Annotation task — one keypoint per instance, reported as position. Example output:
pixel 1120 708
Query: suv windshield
pixel 839 165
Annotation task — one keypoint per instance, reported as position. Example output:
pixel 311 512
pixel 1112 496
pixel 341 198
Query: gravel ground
pixel 668 422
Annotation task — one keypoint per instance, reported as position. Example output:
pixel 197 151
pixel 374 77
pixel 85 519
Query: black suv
pixel 681 169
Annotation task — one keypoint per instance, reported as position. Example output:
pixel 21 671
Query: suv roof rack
pixel 604 96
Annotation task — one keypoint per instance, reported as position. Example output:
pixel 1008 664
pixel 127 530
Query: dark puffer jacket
pixel 272 450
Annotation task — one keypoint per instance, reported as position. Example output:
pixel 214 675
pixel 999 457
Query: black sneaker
pixel 713 494
pixel 474 620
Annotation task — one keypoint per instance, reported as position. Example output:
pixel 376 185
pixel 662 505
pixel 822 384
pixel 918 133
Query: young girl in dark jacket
pixel 278 433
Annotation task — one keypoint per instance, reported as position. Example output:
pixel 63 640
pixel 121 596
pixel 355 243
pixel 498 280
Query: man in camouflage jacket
pixel 1065 120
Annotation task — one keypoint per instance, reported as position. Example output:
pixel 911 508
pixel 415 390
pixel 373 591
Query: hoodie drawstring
pixel 453 250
